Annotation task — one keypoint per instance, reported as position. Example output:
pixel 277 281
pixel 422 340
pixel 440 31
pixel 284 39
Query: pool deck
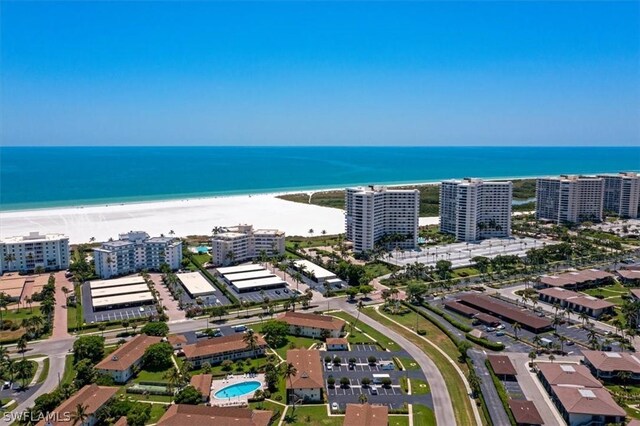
pixel 232 379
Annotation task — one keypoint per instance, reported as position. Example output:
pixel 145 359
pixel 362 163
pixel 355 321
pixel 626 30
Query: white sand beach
pixel 185 217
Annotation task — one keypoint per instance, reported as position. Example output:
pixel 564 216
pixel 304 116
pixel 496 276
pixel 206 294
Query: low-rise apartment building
pixel 307 384
pixel 136 251
pixel 576 280
pixel 120 365
pixel 241 243
pixel 91 397
pixel 366 415
pixel 608 365
pixel 576 302
pixel 219 349
pixel 312 325
pixel 202 383
pixel 473 209
pixel 201 415
pixel 30 252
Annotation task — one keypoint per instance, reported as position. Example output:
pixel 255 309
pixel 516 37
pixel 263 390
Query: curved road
pixel 441 401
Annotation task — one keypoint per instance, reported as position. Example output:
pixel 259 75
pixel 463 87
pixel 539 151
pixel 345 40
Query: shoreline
pixel 194 197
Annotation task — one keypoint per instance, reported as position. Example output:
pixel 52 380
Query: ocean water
pixel 37 177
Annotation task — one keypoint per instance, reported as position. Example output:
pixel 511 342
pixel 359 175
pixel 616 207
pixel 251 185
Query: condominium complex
pixel 135 251
pixel 622 194
pixel 30 252
pixel 569 199
pixel 241 243
pixel 472 209
pixel 375 212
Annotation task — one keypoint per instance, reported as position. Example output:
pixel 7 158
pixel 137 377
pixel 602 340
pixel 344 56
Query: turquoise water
pixel 202 250
pixel 238 389
pixel 33 177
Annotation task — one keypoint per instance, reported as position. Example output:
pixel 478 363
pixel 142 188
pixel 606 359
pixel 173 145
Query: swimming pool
pixel 238 389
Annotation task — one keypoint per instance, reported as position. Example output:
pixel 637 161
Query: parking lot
pixel 120 314
pixel 360 368
pixel 256 296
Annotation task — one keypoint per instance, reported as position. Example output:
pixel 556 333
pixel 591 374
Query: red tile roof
pixel 207 347
pixel 309 369
pixel 575 278
pixel 568 374
pixel 501 365
pixel 366 415
pixel 92 397
pixel 505 310
pixel 202 415
pixel 128 354
pixel 459 307
pixel 629 274
pixel 525 412
pixel 591 401
pixel 312 320
pixel 576 298
pixel 336 341
pixel 202 382
pixel 613 361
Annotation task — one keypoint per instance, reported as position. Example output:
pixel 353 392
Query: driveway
pixel 489 391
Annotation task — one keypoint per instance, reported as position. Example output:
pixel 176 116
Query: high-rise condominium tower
pixel 569 199
pixel 622 194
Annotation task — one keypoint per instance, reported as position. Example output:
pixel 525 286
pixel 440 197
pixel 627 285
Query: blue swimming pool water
pixel 202 249
pixel 238 389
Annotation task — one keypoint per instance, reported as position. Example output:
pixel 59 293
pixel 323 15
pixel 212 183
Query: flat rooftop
pixel 34 237
pixel 196 284
pixel 113 291
pixel 318 271
pixel 260 282
pixel 116 282
pixel 227 270
pixel 122 299
pixel 243 276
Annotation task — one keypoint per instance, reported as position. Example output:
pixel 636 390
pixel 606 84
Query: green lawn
pixel 45 370
pixel 293 342
pixel 266 405
pixel 314 415
pixel 377 269
pixel 419 387
pixel 357 337
pixel 632 412
pixel 157 411
pixel 398 420
pixel 20 314
pixel 423 416
pixel 150 376
pixel 201 258
pixel 69 372
pixel 409 364
pixel 455 385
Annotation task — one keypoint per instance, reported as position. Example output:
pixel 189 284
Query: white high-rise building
pixel 135 251
pixel 472 209
pixel 374 212
pixel 241 243
pixel 26 253
pixel 622 194
pixel 569 199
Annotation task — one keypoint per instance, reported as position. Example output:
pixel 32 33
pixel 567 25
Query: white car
pixel 335 407
pixel 500 327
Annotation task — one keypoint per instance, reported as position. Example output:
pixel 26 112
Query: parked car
pixel 569 343
pixel 500 327
pixel 500 333
pixel 286 290
pixel 335 406
pixel 540 314
pixel 277 291
pixel 490 329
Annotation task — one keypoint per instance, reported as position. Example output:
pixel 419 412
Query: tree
pixel 23 370
pixel 365 381
pixel 624 377
pixel 88 347
pixel 352 292
pixel 157 357
pixel 516 328
pixel 345 382
pixel 157 328
pixel 206 368
pixel 331 381
pixel 386 382
pixel 532 357
pixel 372 359
pixel 125 324
pixel 79 415
pixel 443 268
pixel 366 289
pixel 22 344
pixel 275 333
pixel 289 371
pixel 85 373
pixel 173 378
pixel 139 415
pixel 218 311
pixel 189 395
pixel 416 291
pixel 250 339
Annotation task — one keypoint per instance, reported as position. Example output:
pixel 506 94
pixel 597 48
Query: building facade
pixel 307 384
pixel 313 325
pixel 472 209
pixel 622 194
pixel 375 212
pixel 29 252
pixel 218 349
pixel 570 199
pixel 241 243
pixel 135 251
pixel 120 365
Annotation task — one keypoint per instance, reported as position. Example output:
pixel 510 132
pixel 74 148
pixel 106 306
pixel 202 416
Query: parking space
pixel 365 348
pixel 256 296
pixel 119 314
pixel 360 364
pixel 513 390
pixel 356 388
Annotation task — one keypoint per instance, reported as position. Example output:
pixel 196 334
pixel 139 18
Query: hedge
pixel 501 393
pixel 480 396
pixel 442 328
pixel 496 346
pixel 457 324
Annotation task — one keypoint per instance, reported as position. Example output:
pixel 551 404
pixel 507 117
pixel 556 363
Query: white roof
pixel 34 237
pixel 334 280
pixel 196 284
pixel 260 282
pixel 122 299
pixel 112 291
pixel 116 282
pixel 249 275
pixel 318 271
pixel 240 268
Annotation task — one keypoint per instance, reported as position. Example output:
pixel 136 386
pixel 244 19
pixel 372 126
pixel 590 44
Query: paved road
pixel 489 391
pixel 441 401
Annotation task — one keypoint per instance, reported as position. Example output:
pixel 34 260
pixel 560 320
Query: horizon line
pixel 319 146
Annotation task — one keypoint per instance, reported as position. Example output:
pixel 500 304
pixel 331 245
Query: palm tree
pixel 250 338
pixel 532 357
pixel 516 328
pixel 289 371
pixel 173 378
pixel 562 339
pixel 624 376
pixel 102 327
pixel 79 415
pixel 22 344
pixel 4 302
pixel 359 306
pixel 23 371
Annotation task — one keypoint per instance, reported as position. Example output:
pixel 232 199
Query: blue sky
pixel 414 73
